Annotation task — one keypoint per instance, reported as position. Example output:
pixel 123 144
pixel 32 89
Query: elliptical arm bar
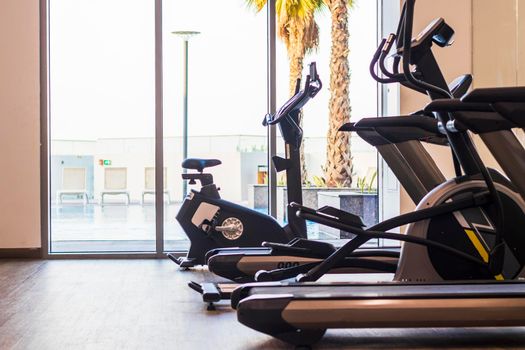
pixel 373 64
pixel 407 50
pixel 401 27
pixel 386 46
pixel 475 200
pixel 344 251
pixel 329 263
pixel 364 236
pixel 312 86
pixel 379 60
pixel 297 86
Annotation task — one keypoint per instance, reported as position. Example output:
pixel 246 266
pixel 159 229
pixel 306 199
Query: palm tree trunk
pixel 338 158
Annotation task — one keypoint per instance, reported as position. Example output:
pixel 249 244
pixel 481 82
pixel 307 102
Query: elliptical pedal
pixel 213 292
pixel 183 262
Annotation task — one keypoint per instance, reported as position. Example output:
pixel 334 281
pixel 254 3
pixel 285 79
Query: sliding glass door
pixel 136 87
pixel 215 84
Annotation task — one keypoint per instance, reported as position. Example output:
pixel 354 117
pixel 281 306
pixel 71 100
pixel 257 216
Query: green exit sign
pixel 104 162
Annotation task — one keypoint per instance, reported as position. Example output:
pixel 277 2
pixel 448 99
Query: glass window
pixel 226 101
pixel 356 191
pixel 102 125
pixel 215 61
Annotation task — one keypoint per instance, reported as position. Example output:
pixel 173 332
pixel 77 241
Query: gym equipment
pixel 457 255
pixel 240 265
pixel 302 313
pixel 398 140
pixel 211 222
pixel 424 304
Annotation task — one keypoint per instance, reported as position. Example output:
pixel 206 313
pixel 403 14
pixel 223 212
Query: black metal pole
pixel 185 117
pixel 271 94
pixel 159 134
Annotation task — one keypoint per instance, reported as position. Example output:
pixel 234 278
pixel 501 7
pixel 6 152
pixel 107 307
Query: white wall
pixel 495 43
pixel 498 46
pixel 488 45
pixel 454 61
pixel 19 120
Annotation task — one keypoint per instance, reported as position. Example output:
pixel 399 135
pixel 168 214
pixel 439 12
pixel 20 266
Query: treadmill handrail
pixel 457 105
pixel 500 94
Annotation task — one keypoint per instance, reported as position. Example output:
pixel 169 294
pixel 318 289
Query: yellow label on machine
pixel 481 250
pixel 478 245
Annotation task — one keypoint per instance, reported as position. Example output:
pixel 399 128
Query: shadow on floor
pixel 435 338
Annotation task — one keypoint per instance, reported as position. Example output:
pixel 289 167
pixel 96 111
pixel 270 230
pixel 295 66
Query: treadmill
pixel 300 313
pixel 285 310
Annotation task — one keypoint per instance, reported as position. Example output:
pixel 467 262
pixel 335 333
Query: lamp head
pixel 185 34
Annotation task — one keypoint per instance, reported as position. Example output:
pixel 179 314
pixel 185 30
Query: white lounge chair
pixel 73 183
pixel 149 184
pixel 115 183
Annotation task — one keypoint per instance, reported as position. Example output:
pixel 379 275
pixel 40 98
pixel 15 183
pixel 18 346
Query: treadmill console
pixel 438 32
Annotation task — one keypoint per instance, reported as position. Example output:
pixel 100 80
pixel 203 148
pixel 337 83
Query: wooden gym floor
pixel 145 304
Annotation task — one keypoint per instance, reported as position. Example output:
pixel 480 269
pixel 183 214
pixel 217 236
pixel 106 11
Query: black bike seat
pixel 199 164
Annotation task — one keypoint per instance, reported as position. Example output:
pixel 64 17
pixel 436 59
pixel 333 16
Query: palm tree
pixel 338 169
pixel 300 34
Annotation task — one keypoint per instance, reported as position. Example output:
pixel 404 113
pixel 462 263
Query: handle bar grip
pixel 312 86
pixel 289 108
pixel 313 71
pixel 381 52
pixel 297 86
pixel 374 61
pixel 382 57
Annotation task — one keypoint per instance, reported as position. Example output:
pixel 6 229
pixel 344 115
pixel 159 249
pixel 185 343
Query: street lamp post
pixel 185 35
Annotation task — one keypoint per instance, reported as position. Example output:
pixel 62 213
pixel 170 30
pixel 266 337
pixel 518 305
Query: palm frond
pixel 258 5
pixel 302 9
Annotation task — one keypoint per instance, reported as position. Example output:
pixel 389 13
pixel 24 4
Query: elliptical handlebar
pixel 396 76
pixel 312 86
pixel 403 42
pixel 379 57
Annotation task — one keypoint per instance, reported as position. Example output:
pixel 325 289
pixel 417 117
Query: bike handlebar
pixel 311 87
